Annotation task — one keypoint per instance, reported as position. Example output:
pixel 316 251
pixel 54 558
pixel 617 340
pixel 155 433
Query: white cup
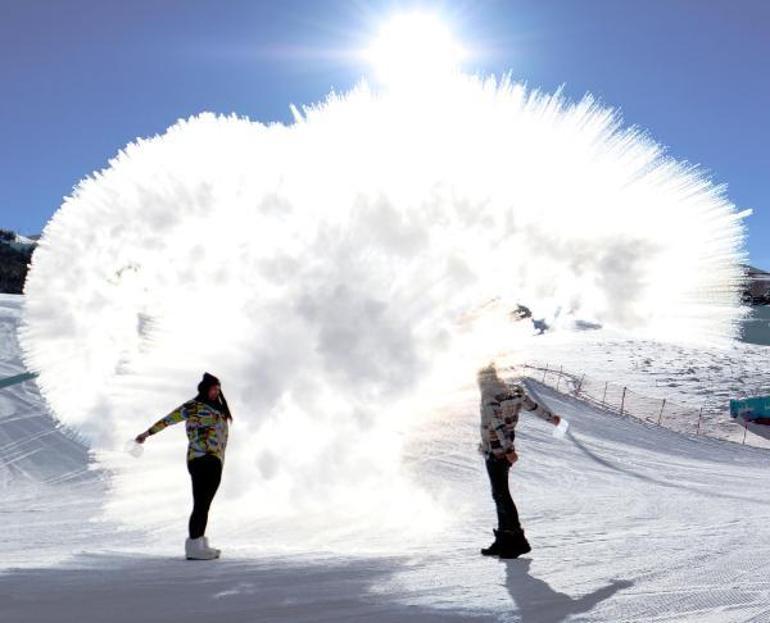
pixel 561 429
pixel 134 449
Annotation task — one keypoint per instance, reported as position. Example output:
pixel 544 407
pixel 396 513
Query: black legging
pixel 507 515
pixel 206 473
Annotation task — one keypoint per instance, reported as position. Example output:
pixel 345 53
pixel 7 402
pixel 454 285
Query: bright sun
pixel 412 48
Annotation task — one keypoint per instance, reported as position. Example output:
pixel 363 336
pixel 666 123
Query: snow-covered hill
pixel 17 241
pixel 628 522
pixel 691 376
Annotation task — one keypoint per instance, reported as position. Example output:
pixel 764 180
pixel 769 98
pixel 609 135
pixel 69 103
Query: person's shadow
pixel 539 603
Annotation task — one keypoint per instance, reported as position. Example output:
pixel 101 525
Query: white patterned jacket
pixel 499 416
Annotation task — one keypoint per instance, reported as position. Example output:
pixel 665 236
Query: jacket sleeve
pixel 541 412
pixel 177 415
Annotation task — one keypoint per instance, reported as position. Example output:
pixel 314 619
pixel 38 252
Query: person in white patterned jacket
pixel 207 418
pixel 500 408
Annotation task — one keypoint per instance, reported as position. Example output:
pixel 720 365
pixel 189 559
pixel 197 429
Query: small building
pixel 757 291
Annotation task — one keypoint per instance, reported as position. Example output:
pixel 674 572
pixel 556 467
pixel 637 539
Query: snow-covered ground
pixel 32 448
pixel 629 523
pixel 690 376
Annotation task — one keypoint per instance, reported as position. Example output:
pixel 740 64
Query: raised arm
pixel 177 415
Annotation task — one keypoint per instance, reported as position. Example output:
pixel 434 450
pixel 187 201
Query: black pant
pixel 507 515
pixel 206 473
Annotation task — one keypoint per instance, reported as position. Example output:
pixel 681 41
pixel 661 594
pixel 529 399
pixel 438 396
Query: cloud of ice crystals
pixel 333 271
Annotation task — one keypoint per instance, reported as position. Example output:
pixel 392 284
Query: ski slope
pixel 628 523
pixel 32 448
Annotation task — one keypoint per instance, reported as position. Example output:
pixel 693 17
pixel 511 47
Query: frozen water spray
pixel 338 272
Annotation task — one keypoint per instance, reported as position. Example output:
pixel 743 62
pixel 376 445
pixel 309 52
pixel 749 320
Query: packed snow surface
pixel 338 274
pixel 628 522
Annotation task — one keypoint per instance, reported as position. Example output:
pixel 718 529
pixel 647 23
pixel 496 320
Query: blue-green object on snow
pixel 752 409
pixel 19 378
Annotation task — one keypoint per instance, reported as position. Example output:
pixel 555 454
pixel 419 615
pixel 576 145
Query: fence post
pixel 544 373
pixel 623 401
pixel 604 396
pixel 700 417
pixel 558 379
pixel 745 430
pixel 660 417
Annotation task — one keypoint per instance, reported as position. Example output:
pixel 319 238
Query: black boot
pixel 513 544
pixel 494 549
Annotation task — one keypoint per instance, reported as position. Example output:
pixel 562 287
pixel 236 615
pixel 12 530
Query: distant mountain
pixel 15 254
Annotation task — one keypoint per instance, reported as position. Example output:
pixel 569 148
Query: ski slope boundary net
pixel 706 420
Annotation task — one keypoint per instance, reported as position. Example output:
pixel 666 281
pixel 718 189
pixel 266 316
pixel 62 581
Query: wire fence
pixel 623 401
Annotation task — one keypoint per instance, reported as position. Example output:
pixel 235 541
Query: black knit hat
pixel 220 404
pixel 209 380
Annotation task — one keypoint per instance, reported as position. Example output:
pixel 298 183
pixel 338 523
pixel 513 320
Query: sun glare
pixel 414 48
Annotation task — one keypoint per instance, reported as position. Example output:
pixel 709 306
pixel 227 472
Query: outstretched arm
pixel 177 415
pixel 541 412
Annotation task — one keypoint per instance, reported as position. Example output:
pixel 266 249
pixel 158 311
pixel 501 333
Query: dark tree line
pixel 13 264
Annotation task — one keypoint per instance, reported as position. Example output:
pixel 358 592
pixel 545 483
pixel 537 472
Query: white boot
pixel 216 551
pixel 195 549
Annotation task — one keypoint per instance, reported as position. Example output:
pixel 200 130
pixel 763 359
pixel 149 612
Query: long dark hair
pixel 225 408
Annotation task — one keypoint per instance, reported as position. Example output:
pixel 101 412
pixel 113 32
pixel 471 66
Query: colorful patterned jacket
pixel 499 416
pixel 207 429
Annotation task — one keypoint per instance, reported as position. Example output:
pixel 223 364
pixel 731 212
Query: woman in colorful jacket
pixel 500 407
pixel 207 419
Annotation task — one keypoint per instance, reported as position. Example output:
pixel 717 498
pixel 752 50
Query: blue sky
pixel 80 79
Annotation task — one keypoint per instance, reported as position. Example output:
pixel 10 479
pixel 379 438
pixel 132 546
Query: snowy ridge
pixel 17 241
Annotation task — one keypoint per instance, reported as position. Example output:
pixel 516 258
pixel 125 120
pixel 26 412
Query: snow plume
pixel 340 273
